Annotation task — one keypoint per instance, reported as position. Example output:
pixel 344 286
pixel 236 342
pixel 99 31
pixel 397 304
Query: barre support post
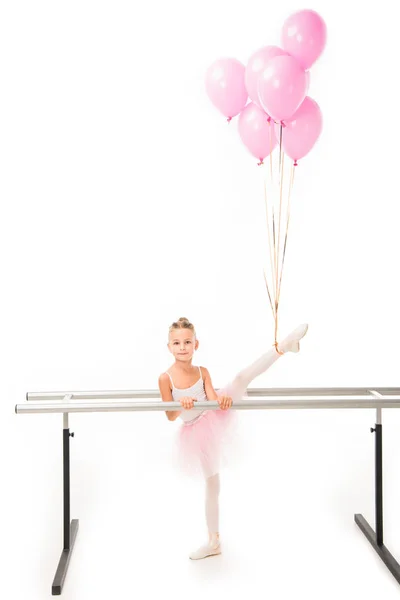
pixel 70 528
pixel 376 538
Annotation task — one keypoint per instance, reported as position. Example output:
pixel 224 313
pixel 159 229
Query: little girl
pixel 204 433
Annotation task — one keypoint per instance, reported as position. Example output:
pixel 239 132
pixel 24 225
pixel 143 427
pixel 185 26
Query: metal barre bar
pixel 248 404
pixel 128 394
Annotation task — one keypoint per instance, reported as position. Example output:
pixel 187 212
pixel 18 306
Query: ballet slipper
pixel 291 342
pixel 209 549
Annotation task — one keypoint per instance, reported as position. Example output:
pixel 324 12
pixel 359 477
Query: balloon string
pixel 271 125
pixel 281 174
pixel 270 250
pixel 287 225
pixel 270 150
pixel 274 267
pixel 280 147
pixel 269 295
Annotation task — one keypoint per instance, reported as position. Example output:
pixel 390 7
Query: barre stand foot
pixel 62 568
pixel 380 549
pixel 375 538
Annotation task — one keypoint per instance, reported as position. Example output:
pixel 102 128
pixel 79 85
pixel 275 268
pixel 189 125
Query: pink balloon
pixel 225 86
pixel 308 81
pixel 304 36
pixel 256 65
pixel 302 131
pixel 257 133
pixel 282 87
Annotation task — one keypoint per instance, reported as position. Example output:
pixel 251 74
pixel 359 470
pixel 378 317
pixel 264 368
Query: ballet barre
pixel 257 398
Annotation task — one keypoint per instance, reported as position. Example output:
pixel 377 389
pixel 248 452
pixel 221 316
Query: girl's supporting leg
pixel 212 519
pixel 212 504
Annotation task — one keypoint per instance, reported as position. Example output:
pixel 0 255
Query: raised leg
pixel 259 366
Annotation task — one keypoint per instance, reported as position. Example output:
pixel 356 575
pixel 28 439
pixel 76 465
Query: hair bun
pixel 182 323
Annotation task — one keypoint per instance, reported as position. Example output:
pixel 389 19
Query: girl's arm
pixel 208 386
pixel 223 401
pixel 166 396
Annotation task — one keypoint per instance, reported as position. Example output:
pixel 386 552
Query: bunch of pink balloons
pixel 272 88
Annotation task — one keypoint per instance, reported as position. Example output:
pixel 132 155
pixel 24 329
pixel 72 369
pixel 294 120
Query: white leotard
pixel 195 391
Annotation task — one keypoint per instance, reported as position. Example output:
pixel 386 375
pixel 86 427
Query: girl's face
pixel 182 344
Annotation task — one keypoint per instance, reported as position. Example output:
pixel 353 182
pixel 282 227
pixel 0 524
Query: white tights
pixel 212 504
pixel 239 385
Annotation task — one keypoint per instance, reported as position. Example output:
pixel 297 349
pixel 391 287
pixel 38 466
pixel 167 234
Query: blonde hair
pixel 182 323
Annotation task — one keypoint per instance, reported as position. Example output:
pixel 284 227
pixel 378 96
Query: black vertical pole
pixel 378 485
pixel 375 538
pixel 67 506
pixel 70 527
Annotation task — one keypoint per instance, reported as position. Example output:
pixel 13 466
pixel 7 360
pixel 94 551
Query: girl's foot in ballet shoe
pixel 291 342
pixel 210 549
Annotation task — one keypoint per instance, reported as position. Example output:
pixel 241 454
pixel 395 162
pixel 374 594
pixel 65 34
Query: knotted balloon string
pixel 260 163
pixel 277 349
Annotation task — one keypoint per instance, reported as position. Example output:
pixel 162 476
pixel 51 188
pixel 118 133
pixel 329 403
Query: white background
pixel 127 202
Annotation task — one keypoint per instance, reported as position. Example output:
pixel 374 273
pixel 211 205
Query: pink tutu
pixel 207 443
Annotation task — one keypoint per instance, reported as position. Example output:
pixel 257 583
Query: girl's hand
pixel 224 402
pixel 188 402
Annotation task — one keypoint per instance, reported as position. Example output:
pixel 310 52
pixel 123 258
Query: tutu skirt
pixel 208 443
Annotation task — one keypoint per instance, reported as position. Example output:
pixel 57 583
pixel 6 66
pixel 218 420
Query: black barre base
pixel 375 538
pixel 381 550
pixel 62 568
